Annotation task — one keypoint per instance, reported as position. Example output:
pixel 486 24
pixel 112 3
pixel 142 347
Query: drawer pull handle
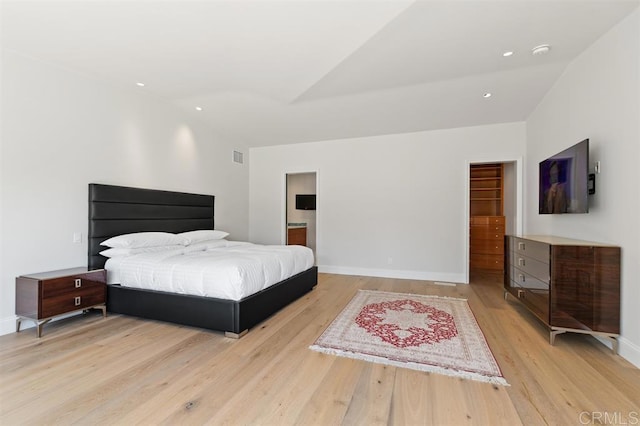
pixel 78 300
pixel 520 294
pixel 522 278
pixel 521 261
pixel 520 246
pixel 78 283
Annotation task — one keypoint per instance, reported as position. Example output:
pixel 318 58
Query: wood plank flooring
pixel 123 370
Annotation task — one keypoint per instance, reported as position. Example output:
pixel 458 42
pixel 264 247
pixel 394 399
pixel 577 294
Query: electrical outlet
pixel 77 237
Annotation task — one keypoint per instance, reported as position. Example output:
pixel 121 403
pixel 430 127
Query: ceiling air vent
pixel 238 157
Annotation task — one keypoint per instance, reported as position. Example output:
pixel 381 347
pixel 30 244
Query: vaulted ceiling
pixel 276 72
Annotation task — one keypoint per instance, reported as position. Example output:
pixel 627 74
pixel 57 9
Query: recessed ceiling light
pixel 140 84
pixel 540 50
pixel 507 53
pixel 487 95
pixel 198 108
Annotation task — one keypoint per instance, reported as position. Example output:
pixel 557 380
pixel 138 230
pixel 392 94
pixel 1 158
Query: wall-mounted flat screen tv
pixel 564 181
pixel 305 201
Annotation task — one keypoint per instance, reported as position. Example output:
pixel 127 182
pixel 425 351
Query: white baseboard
pixel 8 325
pixel 629 351
pixel 392 273
pixel 626 349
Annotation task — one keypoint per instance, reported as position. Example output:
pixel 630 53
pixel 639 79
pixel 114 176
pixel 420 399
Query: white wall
pixel 62 131
pixel 392 205
pixel 598 97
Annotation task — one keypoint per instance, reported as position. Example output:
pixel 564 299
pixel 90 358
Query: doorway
pixel 493 213
pixel 301 202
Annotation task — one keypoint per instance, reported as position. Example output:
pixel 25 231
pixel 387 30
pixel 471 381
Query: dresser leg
pixel 614 347
pixel 18 322
pixel 553 334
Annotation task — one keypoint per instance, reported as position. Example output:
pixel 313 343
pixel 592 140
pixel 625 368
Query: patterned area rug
pixel 427 333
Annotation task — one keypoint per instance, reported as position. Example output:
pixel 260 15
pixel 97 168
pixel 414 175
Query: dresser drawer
pixel 527 281
pixel 478 232
pixel 534 249
pixel 536 300
pixel 531 266
pixel 479 246
pixel 487 220
pixel 486 261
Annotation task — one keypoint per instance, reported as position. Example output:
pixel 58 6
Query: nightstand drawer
pixel 67 302
pixel 65 285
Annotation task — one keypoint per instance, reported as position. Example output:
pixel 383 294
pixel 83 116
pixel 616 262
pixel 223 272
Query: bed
pixel 117 210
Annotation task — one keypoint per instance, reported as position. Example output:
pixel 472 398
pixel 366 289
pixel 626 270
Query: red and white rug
pixel 426 333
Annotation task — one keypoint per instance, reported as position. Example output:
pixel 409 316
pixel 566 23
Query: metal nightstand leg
pixel 103 308
pixel 38 324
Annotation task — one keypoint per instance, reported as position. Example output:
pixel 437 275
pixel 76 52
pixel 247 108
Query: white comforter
pixel 226 270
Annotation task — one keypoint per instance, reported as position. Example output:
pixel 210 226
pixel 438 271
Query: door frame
pixel 283 205
pixel 519 185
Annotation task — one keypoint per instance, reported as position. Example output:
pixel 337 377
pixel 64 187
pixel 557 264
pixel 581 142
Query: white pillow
pixel 144 239
pixel 192 237
pixel 122 252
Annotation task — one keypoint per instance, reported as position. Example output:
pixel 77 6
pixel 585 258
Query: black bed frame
pixel 116 210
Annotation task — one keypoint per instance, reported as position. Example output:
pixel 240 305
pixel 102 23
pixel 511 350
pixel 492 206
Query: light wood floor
pixel 122 370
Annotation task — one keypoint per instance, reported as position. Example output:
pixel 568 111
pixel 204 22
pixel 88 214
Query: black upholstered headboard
pixel 116 210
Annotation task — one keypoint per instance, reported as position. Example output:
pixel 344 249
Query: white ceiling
pixel 275 72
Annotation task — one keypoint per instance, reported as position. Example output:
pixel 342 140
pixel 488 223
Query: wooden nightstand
pixel 43 296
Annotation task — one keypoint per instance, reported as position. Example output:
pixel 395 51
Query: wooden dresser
pixel 42 296
pixel 486 242
pixel 570 285
pixel 297 236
